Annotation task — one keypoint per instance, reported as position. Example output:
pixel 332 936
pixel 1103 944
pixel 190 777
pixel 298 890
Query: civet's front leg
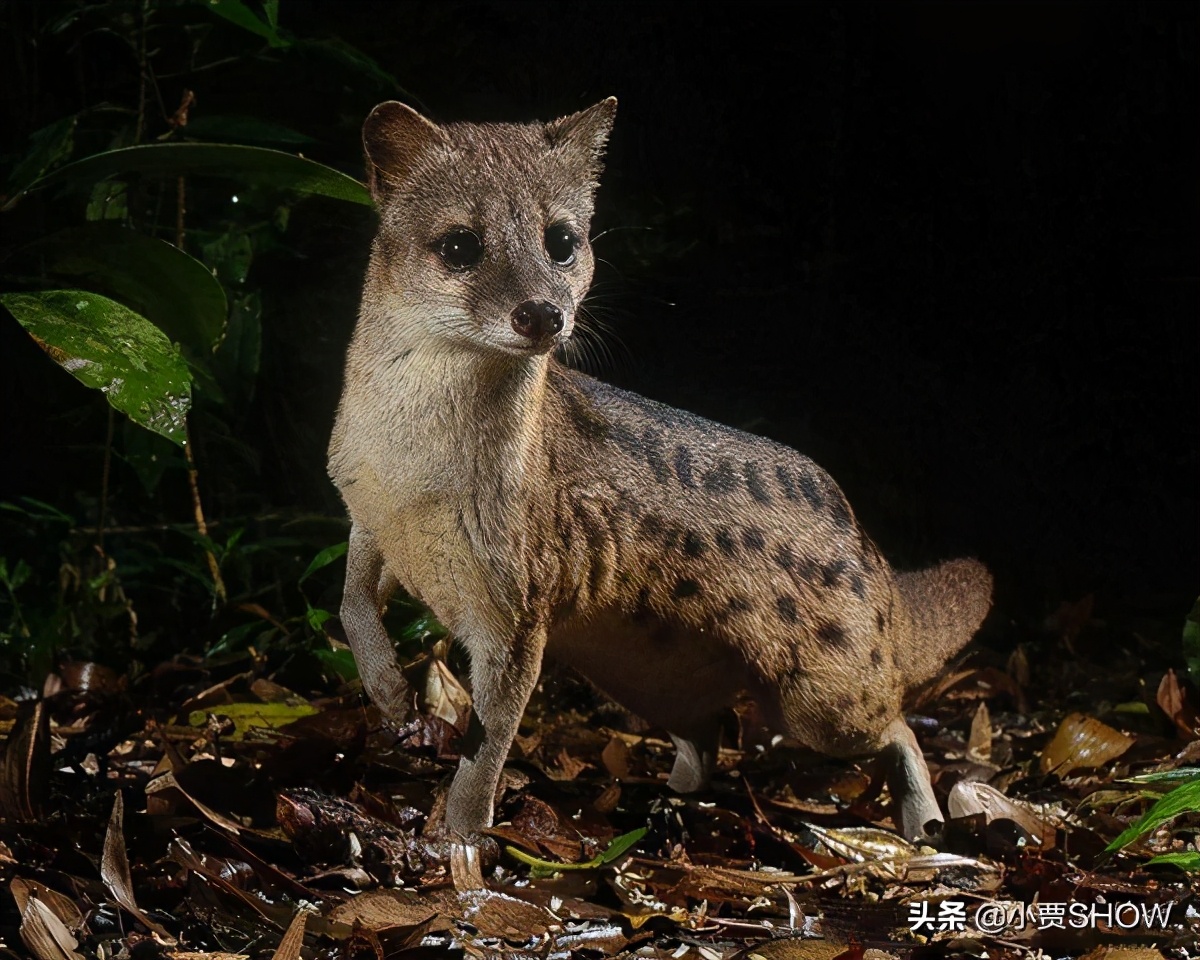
pixel 504 672
pixel 368 587
pixel 908 779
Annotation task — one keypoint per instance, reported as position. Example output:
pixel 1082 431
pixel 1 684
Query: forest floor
pixel 200 810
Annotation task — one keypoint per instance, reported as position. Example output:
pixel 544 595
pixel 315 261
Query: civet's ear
pixel 394 135
pixel 585 133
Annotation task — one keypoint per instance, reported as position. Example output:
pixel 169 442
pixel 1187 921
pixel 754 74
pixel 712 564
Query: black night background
pixel 948 250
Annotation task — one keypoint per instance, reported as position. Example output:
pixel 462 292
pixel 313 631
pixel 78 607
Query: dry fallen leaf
pixel 445 697
pixel 1122 953
pixel 615 757
pixel 465 868
pixel 293 939
pixel 114 870
pixel 970 797
pixel 382 909
pixel 1172 699
pixel 1082 742
pixel 1069 619
pixel 25 772
pixel 979 743
pixel 46 936
pixel 864 843
pixel 62 906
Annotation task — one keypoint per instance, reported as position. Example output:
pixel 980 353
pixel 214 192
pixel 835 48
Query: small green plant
pixel 135 226
pixel 1182 800
pixel 547 868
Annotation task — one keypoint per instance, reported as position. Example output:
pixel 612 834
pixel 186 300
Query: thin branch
pixel 201 526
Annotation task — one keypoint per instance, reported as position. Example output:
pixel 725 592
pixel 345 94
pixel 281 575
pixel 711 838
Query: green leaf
pixel 236 637
pixel 1183 799
pixel 39 510
pixel 243 130
pixel 230 255
pixel 248 717
pixel 1191 643
pixel 615 849
pixel 620 844
pixel 237 12
pixel 149 455
pixel 176 292
pixel 19 575
pixel 272 168
pixel 236 361
pixel 339 662
pixel 47 147
pixel 324 559
pixel 109 201
pixel 1179 773
pixel 422 628
pixel 109 347
pixel 353 61
pixel 316 618
pixel 1188 860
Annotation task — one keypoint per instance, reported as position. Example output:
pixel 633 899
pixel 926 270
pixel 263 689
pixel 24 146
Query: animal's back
pixel 697 533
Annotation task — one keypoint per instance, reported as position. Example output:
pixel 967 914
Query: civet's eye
pixel 460 249
pixel 561 243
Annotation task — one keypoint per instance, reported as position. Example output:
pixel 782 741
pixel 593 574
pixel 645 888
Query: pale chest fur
pixel 443 499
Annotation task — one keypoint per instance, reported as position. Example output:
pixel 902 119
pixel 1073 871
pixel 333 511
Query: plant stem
pixel 108 442
pixel 180 210
pixel 198 512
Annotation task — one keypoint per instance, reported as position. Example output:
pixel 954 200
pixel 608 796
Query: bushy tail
pixel 946 604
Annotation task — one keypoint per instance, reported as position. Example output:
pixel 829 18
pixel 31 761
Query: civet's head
pixel 483 238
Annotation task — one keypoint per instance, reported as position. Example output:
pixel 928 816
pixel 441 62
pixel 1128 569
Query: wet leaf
pixel 1080 743
pixel 172 290
pixel 107 346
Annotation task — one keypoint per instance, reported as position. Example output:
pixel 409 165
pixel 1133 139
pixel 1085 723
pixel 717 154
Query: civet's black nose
pixel 536 319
